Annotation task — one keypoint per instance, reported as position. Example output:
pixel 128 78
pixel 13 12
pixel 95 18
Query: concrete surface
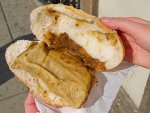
pixel 123 103
pixel 145 103
pixel 14 24
pixel 135 83
pixel 4 33
pixel 14 104
pixel 10 88
pixel 17 13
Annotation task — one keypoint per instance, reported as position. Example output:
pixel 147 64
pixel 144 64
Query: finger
pixel 128 42
pixel 139 20
pixel 126 37
pixel 124 25
pixel 30 106
pixel 134 53
pixel 140 56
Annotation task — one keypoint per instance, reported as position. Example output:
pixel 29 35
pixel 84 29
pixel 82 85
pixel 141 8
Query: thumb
pixel 123 24
pixel 30 106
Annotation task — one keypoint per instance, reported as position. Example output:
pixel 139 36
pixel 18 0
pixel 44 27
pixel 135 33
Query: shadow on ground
pixel 5 73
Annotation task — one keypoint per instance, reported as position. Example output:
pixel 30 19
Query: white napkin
pixel 101 95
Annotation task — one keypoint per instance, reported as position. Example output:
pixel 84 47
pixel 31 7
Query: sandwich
pixel 58 68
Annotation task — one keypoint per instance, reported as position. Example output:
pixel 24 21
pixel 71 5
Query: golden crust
pixel 101 25
pixel 80 15
pixel 79 12
pixel 71 11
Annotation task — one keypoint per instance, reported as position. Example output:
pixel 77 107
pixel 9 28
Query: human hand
pixel 29 104
pixel 135 34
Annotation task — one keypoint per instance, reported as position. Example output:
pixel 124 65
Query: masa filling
pixel 56 72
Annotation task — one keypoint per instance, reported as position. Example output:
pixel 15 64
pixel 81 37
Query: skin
pixel 135 34
pixel 29 104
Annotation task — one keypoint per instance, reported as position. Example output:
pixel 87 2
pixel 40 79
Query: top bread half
pixel 99 42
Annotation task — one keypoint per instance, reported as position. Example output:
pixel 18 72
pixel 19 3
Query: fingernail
pixel 106 19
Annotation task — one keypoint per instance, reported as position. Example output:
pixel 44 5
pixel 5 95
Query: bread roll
pixel 71 44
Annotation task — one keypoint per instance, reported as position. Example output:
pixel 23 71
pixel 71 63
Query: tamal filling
pixel 57 71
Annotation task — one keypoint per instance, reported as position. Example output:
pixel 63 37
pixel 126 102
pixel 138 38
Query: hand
pixel 135 34
pixel 30 106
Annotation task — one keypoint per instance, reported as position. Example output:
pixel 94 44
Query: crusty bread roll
pixel 74 43
pixel 86 30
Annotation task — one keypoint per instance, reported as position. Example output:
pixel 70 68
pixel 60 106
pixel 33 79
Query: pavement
pixel 15 25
